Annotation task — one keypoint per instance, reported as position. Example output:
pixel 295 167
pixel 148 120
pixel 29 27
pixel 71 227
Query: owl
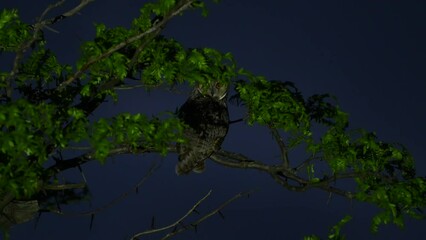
pixel 206 114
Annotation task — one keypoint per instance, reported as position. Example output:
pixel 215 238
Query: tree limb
pixel 126 42
pixel 37 27
pixel 193 224
pixel 281 144
pixel 148 174
pixel 279 173
pixel 151 231
pixel 206 216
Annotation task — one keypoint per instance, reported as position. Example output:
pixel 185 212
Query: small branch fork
pixel 178 226
pixel 281 174
pixel 147 175
pixel 282 146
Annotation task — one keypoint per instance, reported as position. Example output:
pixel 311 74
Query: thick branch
pixel 280 174
pixel 60 166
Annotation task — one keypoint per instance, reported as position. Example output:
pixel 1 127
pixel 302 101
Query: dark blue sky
pixel 370 54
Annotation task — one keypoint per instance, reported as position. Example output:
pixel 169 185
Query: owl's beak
pixel 215 90
pixel 220 97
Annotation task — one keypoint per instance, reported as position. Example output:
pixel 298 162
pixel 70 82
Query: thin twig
pixel 208 215
pixel 170 226
pixel 149 173
pixel 70 13
pixel 48 9
pixel 282 146
pixel 306 162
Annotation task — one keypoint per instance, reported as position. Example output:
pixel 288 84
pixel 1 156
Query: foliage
pixel 14 32
pixel 45 109
pixel 334 233
pixel 384 172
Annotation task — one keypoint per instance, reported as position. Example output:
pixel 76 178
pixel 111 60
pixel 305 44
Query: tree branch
pixel 151 231
pixel 62 165
pixel 193 224
pixel 206 216
pixel 37 27
pixel 148 174
pixel 281 144
pixel 69 13
pixel 126 42
pixel 306 162
pixel 279 173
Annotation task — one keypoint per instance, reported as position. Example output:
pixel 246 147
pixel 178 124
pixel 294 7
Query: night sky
pixel 370 54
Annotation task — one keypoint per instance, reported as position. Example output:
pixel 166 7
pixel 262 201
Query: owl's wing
pixel 208 122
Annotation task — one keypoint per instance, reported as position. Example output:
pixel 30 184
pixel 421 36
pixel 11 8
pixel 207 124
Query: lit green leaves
pixel 384 172
pixel 160 60
pixel 271 103
pixel 27 129
pixel 337 150
pixel 335 231
pixel 113 65
pixel 41 66
pixel 197 59
pixel 29 132
pixel 13 32
pixel 396 200
pixel 134 131
pixel 167 61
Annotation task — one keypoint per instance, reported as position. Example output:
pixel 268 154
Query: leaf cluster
pixel 384 172
pixel 45 108
pixel 13 32
pixel 134 131
pixel 39 119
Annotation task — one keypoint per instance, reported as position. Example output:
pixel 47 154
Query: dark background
pixel 370 54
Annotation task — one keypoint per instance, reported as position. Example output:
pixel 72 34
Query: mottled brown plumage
pixel 206 114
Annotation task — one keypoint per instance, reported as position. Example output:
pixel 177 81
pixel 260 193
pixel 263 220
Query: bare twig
pixel 306 162
pixel 179 221
pixel 208 215
pixel 178 225
pixel 282 146
pixel 48 9
pixel 149 173
pixel 58 187
pixel 71 12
